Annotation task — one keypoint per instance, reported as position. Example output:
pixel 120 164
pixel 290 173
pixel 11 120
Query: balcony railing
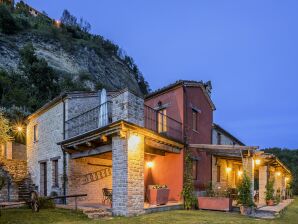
pixel 90 120
pixel 162 124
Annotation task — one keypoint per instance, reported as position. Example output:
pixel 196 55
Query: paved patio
pixel 270 212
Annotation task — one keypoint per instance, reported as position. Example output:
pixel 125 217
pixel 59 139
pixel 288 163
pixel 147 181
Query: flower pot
pixel 158 196
pixel 245 210
pixel 270 202
pixel 215 203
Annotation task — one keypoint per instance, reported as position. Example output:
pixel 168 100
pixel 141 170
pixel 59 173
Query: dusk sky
pixel 248 49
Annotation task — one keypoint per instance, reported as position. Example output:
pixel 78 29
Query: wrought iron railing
pixel 163 124
pixel 90 120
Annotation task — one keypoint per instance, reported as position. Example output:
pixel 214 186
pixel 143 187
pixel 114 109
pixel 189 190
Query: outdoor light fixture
pixel 150 164
pixel 278 173
pixel 258 162
pixel 240 172
pixel 228 169
pixel 133 141
pixel 19 128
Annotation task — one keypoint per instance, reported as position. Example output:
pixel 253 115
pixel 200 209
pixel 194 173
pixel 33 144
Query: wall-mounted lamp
pixel 228 169
pixel 240 172
pixel 150 164
pixel 278 173
pixel 258 162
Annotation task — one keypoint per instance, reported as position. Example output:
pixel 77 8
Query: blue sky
pixel 248 49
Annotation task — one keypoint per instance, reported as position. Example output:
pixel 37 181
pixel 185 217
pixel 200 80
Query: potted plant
pixel 245 196
pixel 270 193
pixel 216 199
pixel 158 194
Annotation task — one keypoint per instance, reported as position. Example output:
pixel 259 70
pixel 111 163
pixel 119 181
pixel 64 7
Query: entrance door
pixel 43 179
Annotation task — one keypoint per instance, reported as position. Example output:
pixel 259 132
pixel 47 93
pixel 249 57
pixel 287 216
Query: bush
pixel 270 190
pixel 44 202
pixel 244 192
pixel 7 22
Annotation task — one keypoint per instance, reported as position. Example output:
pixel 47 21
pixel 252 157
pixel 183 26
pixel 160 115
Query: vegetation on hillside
pixel 35 82
pixel 290 159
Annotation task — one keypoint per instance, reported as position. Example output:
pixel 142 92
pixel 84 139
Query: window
pixel 195 169
pixel 194 120
pixel 35 133
pixel 218 174
pixel 162 120
pixel 55 173
pixel 218 138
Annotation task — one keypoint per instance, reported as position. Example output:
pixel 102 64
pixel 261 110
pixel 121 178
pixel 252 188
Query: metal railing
pixel 162 124
pixel 90 120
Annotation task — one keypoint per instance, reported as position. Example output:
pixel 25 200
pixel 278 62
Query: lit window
pixel 55 173
pixel 218 174
pixel 195 169
pixel 194 120
pixel 162 121
pixel 35 134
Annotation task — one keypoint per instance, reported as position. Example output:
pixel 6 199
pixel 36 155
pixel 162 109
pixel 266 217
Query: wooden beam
pixel 92 152
pixel 153 151
pixel 161 146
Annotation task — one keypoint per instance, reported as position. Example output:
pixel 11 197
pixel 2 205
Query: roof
pixel 225 132
pixel 178 83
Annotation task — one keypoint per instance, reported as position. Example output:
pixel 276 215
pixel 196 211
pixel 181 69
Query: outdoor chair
pixel 107 195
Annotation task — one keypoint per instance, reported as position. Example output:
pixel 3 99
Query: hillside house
pixel 85 142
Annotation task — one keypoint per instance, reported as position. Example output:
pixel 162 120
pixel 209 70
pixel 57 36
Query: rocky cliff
pixel 107 69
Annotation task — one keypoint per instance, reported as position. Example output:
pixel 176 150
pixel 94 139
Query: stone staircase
pixel 25 187
pixel 97 213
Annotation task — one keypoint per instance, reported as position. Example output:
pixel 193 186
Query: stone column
pixel 262 184
pixel 248 168
pixel 128 175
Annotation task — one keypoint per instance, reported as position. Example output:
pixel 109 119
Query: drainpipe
pixel 64 156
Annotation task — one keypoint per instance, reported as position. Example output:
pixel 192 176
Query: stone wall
pixel 76 179
pixel 224 140
pixel 13 172
pixel 50 131
pixel 128 175
pixel 128 107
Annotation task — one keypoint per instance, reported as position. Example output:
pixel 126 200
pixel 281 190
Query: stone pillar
pixel 128 175
pixel 128 107
pixel 248 168
pixel 262 184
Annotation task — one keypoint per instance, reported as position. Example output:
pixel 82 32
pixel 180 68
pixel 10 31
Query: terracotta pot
pixel 158 196
pixel 245 210
pixel 270 202
pixel 215 203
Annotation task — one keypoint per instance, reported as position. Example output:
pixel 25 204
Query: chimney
pixel 208 87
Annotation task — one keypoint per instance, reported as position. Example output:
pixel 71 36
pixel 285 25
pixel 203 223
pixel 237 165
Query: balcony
pixel 162 124
pixel 95 118
pixel 101 116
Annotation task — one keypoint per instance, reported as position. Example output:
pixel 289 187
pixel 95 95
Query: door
pixel 43 179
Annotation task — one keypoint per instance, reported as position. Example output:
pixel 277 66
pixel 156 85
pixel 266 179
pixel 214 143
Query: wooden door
pixel 43 179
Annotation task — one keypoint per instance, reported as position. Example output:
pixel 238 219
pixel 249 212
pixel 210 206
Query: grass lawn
pixel 25 216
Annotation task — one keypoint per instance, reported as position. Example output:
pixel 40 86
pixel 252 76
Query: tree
pixel 68 19
pixel 4 129
pixel 7 22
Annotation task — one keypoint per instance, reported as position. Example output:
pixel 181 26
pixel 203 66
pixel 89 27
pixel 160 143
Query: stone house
pixel 84 142
pixel 221 136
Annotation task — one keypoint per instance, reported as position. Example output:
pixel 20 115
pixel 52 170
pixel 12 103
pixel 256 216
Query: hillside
pixel 40 58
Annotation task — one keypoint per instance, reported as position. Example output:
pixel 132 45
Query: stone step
pixel 98 215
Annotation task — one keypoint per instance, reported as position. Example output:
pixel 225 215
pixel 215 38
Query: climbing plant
pixel 188 187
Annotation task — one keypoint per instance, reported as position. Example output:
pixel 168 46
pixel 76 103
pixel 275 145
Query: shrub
pixel 44 202
pixel 7 22
pixel 244 192
pixel 270 190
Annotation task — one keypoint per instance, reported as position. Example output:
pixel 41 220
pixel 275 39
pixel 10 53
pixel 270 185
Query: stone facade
pixel 128 175
pixel 49 131
pixel 128 107
pixel 78 168
pixel 13 150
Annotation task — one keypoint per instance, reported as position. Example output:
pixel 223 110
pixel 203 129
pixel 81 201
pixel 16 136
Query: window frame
pixel 195 171
pixel 35 133
pixel 55 173
pixel 195 116
pixel 162 120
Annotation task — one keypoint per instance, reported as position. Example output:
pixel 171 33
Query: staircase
pixel 25 187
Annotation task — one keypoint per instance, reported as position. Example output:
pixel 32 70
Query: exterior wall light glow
pixel 20 129
pixel 150 164
pixel 258 162
pixel 133 141
pixel 278 173
pixel 240 172
pixel 228 169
